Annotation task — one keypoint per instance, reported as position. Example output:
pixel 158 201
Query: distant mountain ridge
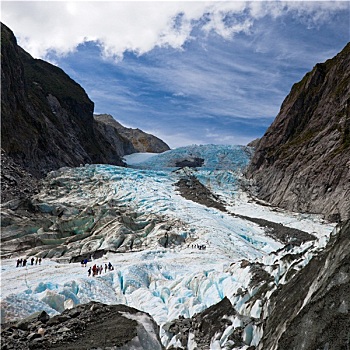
pixel 140 140
pixel 302 163
pixel 47 119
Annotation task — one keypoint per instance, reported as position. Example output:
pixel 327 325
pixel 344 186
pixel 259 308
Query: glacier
pixel 139 221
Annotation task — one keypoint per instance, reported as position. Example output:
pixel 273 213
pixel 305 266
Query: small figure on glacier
pixel 82 263
pixel 24 262
pixel 110 266
pixel 39 261
pixel 94 270
pixel 32 261
pixel 89 272
pixel 85 262
pixel 17 262
pixel 106 267
pixel 101 269
pixel 36 261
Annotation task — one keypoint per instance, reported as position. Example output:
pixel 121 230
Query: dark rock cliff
pixel 302 163
pixel 140 140
pixel 46 117
pixel 312 310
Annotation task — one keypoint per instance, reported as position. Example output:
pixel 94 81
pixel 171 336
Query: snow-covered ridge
pixel 139 213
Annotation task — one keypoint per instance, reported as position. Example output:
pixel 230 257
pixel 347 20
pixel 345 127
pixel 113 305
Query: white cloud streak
pixel 139 27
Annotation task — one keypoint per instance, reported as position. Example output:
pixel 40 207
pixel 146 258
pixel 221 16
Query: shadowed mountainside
pixel 47 122
pixel 302 162
pixel 47 118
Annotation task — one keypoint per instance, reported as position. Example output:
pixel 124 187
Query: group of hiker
pixel 97 270
pixel 94 270
pixel 23 262
pixel 199 246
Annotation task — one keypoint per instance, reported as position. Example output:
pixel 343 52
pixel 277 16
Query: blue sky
pixel 190 73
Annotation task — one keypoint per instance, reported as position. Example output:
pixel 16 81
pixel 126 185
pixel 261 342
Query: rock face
pixel 16 182
pixel 302 162
pixel 141 141
pixel 46 118
pixel 89 326
pixel 312 310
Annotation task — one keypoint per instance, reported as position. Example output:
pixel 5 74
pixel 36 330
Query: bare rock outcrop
pixel 302 163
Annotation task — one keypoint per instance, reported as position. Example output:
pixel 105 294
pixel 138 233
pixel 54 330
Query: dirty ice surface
pixel 165 282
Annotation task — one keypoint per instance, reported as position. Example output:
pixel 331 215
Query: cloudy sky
pixel 188 72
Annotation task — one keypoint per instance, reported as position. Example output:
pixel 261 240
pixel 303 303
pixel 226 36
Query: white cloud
pixel 141 26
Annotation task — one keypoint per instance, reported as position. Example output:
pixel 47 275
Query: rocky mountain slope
pixel 47 118
pixel 312 310
pixel 302 162
pixel 141 141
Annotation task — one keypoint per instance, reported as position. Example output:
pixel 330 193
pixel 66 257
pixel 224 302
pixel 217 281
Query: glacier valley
pixel 181 238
